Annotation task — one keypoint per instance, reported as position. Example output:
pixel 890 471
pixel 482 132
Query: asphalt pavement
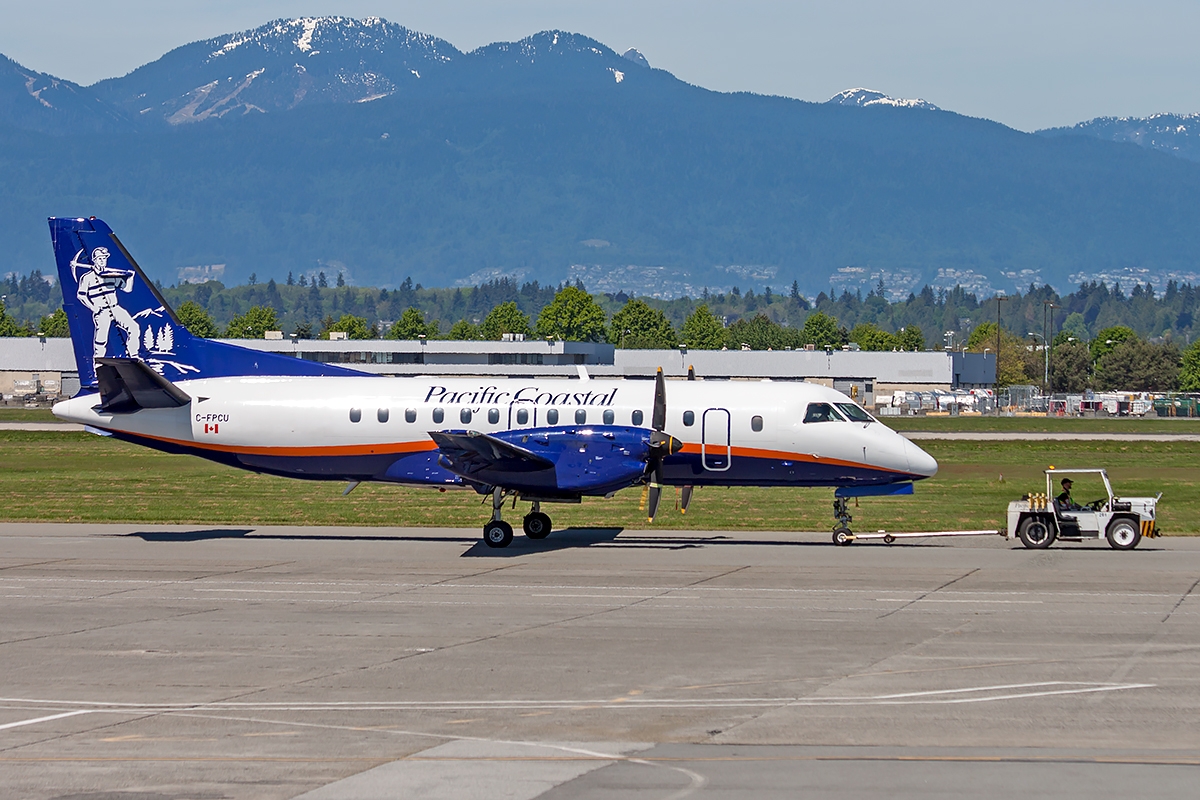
pixel 143 662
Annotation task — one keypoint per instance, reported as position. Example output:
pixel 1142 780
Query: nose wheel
pixel 842 535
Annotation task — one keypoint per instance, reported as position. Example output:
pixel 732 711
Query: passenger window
pixel 382 415
pixel 821 412
pixel 637 418
pixel 854 412
pixel 756 423
pixel 580 416
pixel 493 415
pixel 410 415
pixel 552 416
pixel 689 418
pixel 522 416
pixel 609 416
pixel 355 414
pixel 464 416
pixel 438 415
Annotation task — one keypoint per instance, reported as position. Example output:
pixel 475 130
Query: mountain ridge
pixel 557 155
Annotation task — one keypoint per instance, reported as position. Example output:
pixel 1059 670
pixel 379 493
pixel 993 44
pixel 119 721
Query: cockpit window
pixel 821 412
pixel 854 412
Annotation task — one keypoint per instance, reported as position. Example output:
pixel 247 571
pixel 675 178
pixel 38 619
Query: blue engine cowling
pixel 549 462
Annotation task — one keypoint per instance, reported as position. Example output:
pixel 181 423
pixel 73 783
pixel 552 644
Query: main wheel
pixel 537 525
pixel 1123 534
pixel 1035 533
pixel 497 533
pixel 842 537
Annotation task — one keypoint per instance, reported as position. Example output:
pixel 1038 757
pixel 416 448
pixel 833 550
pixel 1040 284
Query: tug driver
pixel 1064 501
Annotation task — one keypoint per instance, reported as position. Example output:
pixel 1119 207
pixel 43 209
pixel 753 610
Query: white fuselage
pixel 725 426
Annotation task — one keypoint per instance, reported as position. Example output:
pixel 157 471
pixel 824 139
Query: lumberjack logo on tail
pixel 98 286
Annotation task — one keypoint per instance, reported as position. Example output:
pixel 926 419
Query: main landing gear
pixel 498 533
pixel 842 535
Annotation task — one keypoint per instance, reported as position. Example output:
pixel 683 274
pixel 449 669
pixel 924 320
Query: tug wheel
pixel 1123 534
pixel 1035 533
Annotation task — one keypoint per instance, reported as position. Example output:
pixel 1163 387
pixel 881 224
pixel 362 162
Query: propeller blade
pixel 685 498
pixel 659 418
pixel 653 498
pixel 645 494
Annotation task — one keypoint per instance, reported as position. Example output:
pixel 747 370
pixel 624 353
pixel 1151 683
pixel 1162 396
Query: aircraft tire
pixel 497 533
pixel 1035 534
pixel 537 525
pixel 841 537
pixel 1123 534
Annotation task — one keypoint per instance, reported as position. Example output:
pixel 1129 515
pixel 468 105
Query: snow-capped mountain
pixel 870 97
pixel 36 101
pixel 277 66
pixel 635 55
pixel 1177 134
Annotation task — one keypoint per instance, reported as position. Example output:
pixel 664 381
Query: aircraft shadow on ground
pixel 244 533
pixel 569 538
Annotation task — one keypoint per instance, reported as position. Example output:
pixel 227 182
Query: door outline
pixel 718 450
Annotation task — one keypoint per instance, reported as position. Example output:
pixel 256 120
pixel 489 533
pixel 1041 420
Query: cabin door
pixel 715 451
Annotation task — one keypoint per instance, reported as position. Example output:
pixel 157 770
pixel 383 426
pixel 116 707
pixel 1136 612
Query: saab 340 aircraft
pixel 146 379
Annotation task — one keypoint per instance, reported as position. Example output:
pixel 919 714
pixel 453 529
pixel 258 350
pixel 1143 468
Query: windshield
pixel 855 413
pixel 821 412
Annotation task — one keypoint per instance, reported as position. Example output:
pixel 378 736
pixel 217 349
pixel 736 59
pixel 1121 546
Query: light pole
pixel 1046 354
pixel 999 299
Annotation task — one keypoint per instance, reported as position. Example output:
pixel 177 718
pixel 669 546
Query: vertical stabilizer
pixel 115 312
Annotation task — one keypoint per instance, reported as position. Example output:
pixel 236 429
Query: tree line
pixel 1100 337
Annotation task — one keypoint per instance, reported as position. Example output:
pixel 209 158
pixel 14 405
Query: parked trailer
pixel 1039 519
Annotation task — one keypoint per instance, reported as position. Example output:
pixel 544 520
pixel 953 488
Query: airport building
pixel 36 367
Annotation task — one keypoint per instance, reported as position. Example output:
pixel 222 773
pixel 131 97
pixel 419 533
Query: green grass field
pixel 1045 424
pixel 27 415
pixel 80 477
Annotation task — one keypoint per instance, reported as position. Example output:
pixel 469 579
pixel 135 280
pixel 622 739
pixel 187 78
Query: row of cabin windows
pixel 493 416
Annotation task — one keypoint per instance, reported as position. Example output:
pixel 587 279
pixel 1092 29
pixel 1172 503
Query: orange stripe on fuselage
pixel 384 448
pixel 783 455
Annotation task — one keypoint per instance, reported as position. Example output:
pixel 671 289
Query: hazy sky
pixel 1026 64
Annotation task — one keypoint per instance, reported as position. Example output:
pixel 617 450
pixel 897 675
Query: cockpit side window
pixel 855 412
pixel 821 412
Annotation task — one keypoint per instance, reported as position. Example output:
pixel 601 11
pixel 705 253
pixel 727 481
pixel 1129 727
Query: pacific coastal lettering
pixel 528 394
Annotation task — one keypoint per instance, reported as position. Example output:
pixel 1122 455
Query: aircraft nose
pixel 920 462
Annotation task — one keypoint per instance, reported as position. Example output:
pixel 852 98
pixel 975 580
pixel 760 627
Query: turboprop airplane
pixel 147 380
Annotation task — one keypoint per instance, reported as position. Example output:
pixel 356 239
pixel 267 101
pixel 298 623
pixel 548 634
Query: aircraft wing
pixel 471 452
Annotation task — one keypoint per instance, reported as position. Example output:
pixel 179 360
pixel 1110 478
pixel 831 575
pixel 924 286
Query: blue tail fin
pixel 115 312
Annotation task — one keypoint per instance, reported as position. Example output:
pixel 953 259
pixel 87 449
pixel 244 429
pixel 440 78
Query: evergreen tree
pixel 637 326
pixel 55 325
pixel 702 330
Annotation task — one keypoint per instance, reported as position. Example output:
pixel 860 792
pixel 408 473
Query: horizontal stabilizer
pixel 469 452
pixel 876 490
pixel 128 385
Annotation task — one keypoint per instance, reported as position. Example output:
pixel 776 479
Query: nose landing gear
pixel 842 535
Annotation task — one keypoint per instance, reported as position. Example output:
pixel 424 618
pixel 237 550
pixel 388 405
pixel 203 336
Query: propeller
pixel 661 446
pixel 685 498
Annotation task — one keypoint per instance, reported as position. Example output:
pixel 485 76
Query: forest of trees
pixel 1101 337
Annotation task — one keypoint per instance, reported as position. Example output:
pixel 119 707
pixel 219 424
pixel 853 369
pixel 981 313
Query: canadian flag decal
pixel 211 428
